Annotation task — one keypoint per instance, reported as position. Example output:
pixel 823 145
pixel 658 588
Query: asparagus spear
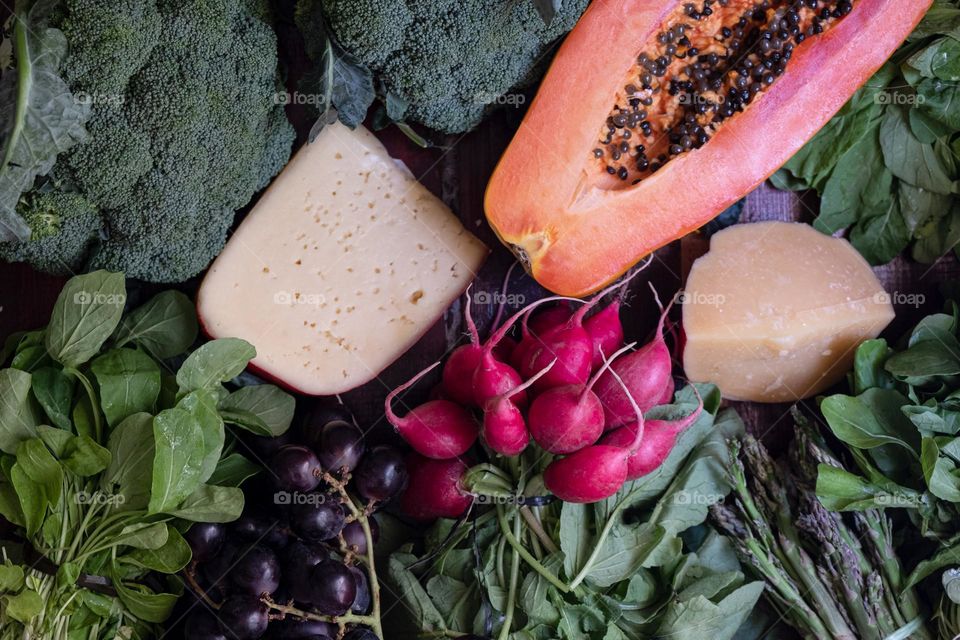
pixel 830 578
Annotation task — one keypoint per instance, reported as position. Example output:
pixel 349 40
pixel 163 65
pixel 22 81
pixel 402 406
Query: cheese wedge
pixel 775 310
pixel 342 265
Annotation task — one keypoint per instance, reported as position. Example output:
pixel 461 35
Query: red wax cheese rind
pixel 775 311
pixel 343 264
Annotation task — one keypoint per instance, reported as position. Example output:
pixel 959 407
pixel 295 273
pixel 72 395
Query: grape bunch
pixel 299 561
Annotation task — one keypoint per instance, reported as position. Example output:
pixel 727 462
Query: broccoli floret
pixel 64 227
pixel 447 61
pixel 185 126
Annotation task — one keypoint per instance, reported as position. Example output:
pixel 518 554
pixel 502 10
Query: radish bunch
pixel 568 386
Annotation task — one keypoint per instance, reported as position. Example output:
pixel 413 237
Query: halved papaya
pixel 656 115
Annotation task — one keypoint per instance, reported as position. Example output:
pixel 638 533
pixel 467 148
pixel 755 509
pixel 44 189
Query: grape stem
pixel 191 579
pixel 361 514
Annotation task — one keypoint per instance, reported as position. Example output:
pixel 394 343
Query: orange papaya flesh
pixel 656 115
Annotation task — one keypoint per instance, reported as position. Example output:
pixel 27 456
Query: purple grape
pixel 363 599
pixel 205 540
pixel 338 445
pixel 256 571
pixel 215 571
pixel 353 534
pixel 381 474
pixel 253 528
pixel 333 588
pixel 264 447
pixel 298 561
pixel 296 468
pixel 291 629
pixel 202 625
pixel 317 520
pixel 244 617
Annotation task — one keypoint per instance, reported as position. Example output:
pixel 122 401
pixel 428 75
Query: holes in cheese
pixel 774 311
pixel 342 265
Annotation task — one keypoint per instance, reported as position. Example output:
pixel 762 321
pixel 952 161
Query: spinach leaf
pixel 142 601
pixel 23 606
pixel 271 408
pixel 908 158
pixel 132 452
pixel 56 439
pixel 166 326
pixel 170 557
pixel 232 470
pixel 129 383
pixel 215 362
pixel 53 389
pixel 39 465
pixel 940 472
pixel 868 371
pixel 211 503
pixel 178 459
pixel 32 497
pixel 840 490
pixel 84 457
pixel 203 406
pixel 39 117
pixel 18 419
pixel 870 420
pixel 84 316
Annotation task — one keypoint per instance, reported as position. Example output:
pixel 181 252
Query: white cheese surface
pixel 775 311
pixel 343 264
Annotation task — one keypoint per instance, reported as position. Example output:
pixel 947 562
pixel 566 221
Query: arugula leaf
pixel 39 117
pixel 84 316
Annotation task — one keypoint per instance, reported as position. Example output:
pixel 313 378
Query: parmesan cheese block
pixel 343 264
pixel 775 310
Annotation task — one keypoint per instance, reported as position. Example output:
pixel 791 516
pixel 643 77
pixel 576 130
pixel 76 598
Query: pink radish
pixel 438 429
pixel 433 490
pixel 568 418
pixel 493 377
pixel 648 374
pixel 659 438
pixel 570 344
pixel 553 316
pixel 606 332
pixel 595 472
pixel 458 370
pixel 504 429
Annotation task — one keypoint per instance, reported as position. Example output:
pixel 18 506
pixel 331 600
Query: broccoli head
pixel 443 63
pixel 185 125
pixel 65 229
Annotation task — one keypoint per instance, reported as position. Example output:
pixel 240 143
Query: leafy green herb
pixel 616 569
pixel 886 166
pixel 137 452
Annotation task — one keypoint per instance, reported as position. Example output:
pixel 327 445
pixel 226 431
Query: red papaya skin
pixel 549 199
